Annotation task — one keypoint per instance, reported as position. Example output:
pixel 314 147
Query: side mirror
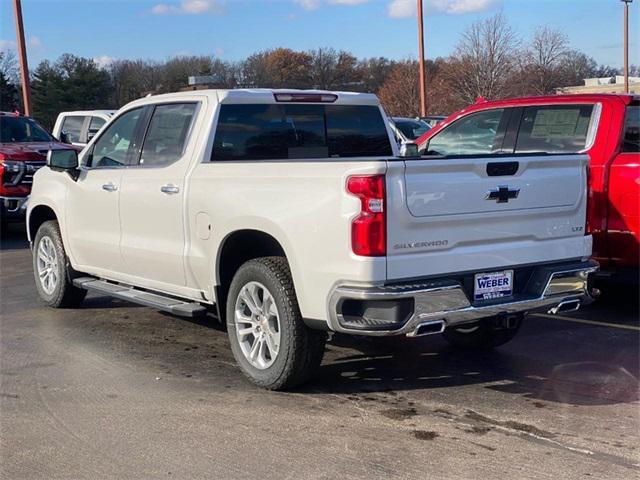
pixel 64 137
pixel 63 161
pixel 409 150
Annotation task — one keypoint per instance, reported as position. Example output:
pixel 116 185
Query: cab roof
pixel 258 95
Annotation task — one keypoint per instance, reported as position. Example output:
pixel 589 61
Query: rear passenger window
pixel 275 131
pixel 167 134
pixel 554 129
pixel 72 127
pixel 94 126
pixel 632 129
pixel 476 134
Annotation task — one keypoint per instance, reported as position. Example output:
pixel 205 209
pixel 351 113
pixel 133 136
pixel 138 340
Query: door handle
pixel 110 187
pixel 169 189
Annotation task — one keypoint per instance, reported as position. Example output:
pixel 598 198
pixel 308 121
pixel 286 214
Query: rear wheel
pixel 485 334
pixel 52 269
pixel 269 340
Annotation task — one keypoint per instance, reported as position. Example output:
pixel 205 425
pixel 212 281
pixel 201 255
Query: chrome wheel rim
pixel 47 265
pixel 257 325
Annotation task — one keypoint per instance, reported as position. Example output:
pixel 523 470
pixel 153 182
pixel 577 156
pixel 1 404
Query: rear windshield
pixel 299 131
pixel 21 130
pixel 554 129
pixel 632 129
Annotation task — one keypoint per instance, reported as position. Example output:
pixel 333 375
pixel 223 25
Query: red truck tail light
pixel 369 228
pixel 596 215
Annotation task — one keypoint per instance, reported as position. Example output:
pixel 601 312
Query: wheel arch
pixel 236 248
pixel 37 216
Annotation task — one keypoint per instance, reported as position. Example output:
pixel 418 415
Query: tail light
pixel 369 228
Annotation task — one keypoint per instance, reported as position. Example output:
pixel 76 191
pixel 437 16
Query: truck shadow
pixel 401 364
pixel 13 237
pixel 549 361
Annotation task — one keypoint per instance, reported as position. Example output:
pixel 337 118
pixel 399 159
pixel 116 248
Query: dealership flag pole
pixel 22 54
pixel 423 80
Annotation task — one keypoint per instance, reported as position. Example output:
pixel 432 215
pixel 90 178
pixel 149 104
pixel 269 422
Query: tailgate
pixel 474 214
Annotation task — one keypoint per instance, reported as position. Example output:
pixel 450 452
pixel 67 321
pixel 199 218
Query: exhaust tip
pixel 432 327
pixel 565 306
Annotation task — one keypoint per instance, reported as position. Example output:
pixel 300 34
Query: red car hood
pixel 31 151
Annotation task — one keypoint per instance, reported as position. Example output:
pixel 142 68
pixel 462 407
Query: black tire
pixel 301 348
pixel 64 294
pixel 485 334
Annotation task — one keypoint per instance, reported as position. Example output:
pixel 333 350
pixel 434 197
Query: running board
pixel 148 299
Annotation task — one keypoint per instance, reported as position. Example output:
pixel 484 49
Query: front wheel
pixel 269 340
pixel 485 334
pixel 52 269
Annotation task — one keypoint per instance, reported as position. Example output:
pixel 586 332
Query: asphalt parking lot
pixel 113 390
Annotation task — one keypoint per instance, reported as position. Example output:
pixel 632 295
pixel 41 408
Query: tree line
pixel 490 60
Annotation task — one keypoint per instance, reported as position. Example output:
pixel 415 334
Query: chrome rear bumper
pixel 550 288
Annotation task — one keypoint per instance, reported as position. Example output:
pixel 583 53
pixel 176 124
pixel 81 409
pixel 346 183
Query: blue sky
pixel 233 29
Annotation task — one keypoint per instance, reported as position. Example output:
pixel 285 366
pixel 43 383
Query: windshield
pixel 412 129
pixel 21 130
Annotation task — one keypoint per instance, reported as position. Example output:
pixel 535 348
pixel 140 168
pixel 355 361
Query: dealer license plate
pixel 488 286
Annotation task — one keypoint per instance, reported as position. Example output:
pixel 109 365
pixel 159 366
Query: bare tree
pixel 483 59
pixel 9 66
pixel 547 52
pixel 575 67
pixel 373 72
pixel 279 68
pixel 133 79
pixel 332 69
pixel 400 94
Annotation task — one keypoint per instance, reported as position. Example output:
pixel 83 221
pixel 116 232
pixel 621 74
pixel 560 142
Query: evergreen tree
pixel 47 92
pixel 9 98
pixel 72 83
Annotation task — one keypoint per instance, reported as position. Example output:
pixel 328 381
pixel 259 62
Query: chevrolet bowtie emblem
pixel 502 194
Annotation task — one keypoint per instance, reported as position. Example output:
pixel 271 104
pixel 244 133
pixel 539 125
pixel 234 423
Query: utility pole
pixel 626 44
pixel 22 55
pixel 423 79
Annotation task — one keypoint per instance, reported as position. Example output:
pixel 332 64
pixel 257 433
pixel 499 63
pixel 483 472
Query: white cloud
pixel 195 7
pixel 7 44
pixel 407 8
pixel 308 4
pixel 459 7
pixel 160 9
pixel 190 7
pixel 315 4
pixel 401 8
pixel 348 2
pixel 34 42
pixel 103 61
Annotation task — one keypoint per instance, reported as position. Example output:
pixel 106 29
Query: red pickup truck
pixel 23 150
pixel 604 126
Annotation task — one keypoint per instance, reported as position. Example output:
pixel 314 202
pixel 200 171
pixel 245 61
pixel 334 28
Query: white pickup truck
pixel 290 214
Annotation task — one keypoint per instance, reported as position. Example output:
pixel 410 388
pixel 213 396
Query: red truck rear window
pixel 631 142
pixel 554 129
